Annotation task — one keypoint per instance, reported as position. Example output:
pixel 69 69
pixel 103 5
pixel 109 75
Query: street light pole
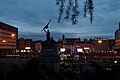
pixel 13 36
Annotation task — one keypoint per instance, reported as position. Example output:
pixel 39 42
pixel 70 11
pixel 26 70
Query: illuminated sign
pixel 115 61
pixel 62 50
pixel 79 50
pixel 86 48
pixel 27 47
pixel 73 50
pixel 77 56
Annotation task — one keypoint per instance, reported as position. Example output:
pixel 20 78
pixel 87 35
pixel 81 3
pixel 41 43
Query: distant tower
pixel 117 39
pixel 63 37
pixel 117 33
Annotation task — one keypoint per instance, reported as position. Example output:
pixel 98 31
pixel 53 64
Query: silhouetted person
pixel 2 76
pixel 98 70
pixel 15 73
pixel 32 71
pixel 60 74
pixel 69 75
pixel 89 73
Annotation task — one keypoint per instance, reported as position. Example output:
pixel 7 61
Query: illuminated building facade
pixel 111 45
pixel 117 39
pixel 97 45
pixel 87 46
pixel 24 45
pixel 60 44
pixel 71 44
pixel 68 48
pixel 38 46
pixel 8 38
pixel 74 45
pixel 101 45
pixel 73 48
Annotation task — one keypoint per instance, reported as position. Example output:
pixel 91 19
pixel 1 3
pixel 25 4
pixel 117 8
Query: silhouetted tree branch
pixel 71 10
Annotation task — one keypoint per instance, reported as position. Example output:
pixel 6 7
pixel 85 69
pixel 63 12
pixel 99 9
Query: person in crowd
pixel 89 73
pixel 2 76
pixel 32 71
pixel 15 73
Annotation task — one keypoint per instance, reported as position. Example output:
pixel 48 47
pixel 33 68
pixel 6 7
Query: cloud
pixel 27 11
pixel 33 15
pixel 58 35
pixel 32 35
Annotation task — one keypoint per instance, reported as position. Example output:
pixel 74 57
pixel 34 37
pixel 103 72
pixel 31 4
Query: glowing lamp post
pixel 115 61
pixel 13 35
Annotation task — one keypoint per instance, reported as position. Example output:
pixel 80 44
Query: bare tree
pixel 71 10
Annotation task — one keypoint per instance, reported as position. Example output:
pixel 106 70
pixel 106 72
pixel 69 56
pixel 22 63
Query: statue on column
pixel 47 32
pixel 49 52
pixel 47 35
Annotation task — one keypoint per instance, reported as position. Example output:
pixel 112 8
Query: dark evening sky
pixel 30 16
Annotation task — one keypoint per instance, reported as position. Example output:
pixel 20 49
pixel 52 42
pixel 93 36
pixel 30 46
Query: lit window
pixel 86 48
pixel 62 50
pixel 27 48
pixel 4 41
pixel 99 41
pixel 79 50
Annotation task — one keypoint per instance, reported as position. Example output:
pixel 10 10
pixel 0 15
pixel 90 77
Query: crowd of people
pixel 33 70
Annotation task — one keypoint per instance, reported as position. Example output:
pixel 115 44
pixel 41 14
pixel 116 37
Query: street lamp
pixel 115 61
pixel 13 35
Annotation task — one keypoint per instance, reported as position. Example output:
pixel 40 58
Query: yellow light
pixel 13 35
pixel 86 48
pixel 4 41
pixel 99 41
pixel 27 48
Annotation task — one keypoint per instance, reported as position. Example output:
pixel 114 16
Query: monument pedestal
pixel 49 55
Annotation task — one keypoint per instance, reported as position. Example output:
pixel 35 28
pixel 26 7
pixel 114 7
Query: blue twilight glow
pixel 30 16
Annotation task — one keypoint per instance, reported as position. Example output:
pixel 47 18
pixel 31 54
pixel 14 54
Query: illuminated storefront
pixel 24 45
